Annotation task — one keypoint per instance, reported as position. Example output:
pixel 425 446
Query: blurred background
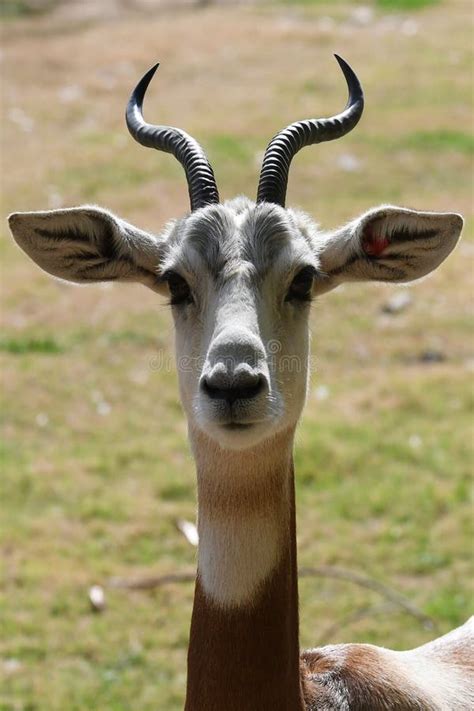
pixel 96 467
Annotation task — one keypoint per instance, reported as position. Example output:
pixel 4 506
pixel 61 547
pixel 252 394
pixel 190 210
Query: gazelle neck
pixel 243 650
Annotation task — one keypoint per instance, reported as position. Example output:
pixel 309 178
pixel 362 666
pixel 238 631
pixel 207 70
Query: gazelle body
pixel 241 276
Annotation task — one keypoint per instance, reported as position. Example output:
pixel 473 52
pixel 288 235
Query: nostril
pixel 234 390
pixel 247 390
pixel 208 388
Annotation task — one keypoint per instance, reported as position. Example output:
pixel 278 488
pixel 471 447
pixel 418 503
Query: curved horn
pixel 199 174
pixel 283 146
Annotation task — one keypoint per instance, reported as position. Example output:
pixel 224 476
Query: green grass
pixel 23 8
pixel 307 3
pixel 224 147
pixel 95 464
pixel 405 4
pixel 383 4
pixel 89 183
pixel 440 141
pixel 29 344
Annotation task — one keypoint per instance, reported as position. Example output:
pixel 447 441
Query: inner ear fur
pixel 88 244
pixel 389 244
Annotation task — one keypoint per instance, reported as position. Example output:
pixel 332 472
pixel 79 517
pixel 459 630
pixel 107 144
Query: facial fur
pixel 239 262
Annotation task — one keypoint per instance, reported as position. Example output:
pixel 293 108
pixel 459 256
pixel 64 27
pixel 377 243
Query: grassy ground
pixel 96 466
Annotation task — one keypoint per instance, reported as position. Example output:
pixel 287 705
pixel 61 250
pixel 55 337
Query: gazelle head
pixel 240 275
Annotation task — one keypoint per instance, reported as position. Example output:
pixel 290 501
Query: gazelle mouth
pixel 238 425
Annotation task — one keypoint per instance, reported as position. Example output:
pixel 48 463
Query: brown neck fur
pixel 246 657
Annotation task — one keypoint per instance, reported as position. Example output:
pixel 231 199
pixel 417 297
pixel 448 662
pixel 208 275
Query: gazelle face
pixel 240 278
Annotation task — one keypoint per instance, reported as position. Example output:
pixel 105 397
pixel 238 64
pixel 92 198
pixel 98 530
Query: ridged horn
pixel 281 149
pixel 199 174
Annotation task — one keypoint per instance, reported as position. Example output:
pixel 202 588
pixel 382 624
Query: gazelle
pixel 240 277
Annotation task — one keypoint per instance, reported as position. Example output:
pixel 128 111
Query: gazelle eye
pixel 179 289
pixel 301 286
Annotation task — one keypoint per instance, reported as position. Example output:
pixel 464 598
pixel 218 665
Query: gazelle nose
pixel 242 384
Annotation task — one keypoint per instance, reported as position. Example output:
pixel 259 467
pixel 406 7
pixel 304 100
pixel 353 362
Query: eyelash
pixel 301 286
pixel 179 289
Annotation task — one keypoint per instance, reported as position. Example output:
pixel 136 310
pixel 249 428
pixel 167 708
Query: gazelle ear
pixel 390 244
pixel 88 244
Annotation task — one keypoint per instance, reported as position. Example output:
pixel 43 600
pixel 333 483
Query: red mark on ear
pixel 373 244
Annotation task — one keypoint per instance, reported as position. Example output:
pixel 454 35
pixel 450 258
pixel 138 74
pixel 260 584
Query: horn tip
pixel 138 94
pixel 151 72
pixel 342 62
pixel 355 89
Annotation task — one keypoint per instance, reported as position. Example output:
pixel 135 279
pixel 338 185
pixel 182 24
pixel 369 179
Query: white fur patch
pixel 446 685
pixel 237 554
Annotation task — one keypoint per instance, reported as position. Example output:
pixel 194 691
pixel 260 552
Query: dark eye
pixel 179 289
pixel 301 286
